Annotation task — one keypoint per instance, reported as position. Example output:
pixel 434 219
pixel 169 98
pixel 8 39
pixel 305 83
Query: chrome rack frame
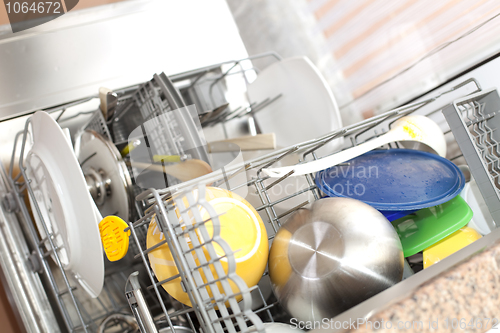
pixel 356 134
pixel 214 75
pixel 199 266
pixel 76 312
pixel 160 200
pixel 71 304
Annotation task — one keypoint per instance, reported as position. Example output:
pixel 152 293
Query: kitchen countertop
pixel 468 290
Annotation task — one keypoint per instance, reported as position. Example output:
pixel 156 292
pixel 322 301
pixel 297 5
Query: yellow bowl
pixel 279 264
pixel 449 245
pixel 240 226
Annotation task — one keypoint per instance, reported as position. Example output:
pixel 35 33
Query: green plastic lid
pixel 428 226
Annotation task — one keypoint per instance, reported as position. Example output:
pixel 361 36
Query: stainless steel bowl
pixel 339 253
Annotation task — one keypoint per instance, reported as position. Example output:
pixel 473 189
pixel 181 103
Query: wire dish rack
pixel 203 277
pixel 153 114
pixel 130 285
pixel 170 129
pixel 207 89
pixel 199 267
pixel 475 122
pixel 77 312
pixel 257 188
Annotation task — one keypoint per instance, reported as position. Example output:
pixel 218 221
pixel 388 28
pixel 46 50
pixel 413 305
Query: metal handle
pixel 138 305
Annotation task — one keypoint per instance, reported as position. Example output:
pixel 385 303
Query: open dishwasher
pixel 50 299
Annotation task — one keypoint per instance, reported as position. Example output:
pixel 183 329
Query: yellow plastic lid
pixel 449 245
pixel 114 239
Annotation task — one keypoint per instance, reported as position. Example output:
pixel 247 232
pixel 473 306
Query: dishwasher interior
pixel 157 118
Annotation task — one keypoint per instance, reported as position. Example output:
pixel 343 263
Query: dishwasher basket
pixel 256 183
pixel 475 122
pixel 193 262
pixel 208 89
pixel 131 284
pixel 158 107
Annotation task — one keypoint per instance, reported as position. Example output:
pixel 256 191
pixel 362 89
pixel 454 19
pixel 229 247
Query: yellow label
pixel 410 131
pixel 413 131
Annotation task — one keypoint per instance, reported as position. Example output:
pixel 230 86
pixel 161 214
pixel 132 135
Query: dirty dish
pixel 429 225
pixel 449 245
pixel 408 128
pixel 240 226
pixel 394 180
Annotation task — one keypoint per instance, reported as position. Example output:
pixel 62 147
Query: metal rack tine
pixel 276 182
pixel 305 203
pixel 290 151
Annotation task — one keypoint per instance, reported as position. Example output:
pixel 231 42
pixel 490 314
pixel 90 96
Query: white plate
pixel 50 207
pixel 306 108
pixel 66 206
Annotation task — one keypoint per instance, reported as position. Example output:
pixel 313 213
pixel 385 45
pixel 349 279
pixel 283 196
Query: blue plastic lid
pixel 393 215
pixel 394 179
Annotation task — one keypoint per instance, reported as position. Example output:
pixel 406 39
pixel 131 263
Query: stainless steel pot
pixel 327 259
